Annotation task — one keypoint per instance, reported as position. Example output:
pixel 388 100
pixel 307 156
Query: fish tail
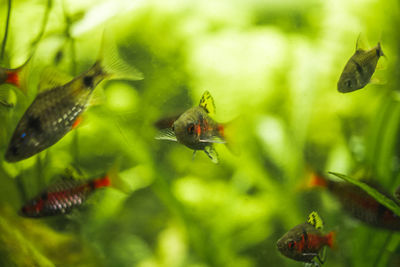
pixel 116 180
pixel 317 180
pixel 18 77
pixel 111 62
pixel 331 239
pixel 379 51
pixel 102 182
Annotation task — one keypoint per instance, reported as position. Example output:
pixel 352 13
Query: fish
pixel 305 241
pixel 358 70
pixel 57 108
pixel 196 129
pixel 63 196
pixel 358 203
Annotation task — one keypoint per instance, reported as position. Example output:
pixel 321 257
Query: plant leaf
pixel 384 200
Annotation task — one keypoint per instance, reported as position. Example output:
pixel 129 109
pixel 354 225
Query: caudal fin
pixel 316 180
pixel 331 239
pixel 112 63
pixel 19 77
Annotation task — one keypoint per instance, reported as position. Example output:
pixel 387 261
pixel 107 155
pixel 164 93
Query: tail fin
pixel 228 132
pixel 317 180
pixel 19 76
pixel 331 239
pixel 112 63
pixel 116 181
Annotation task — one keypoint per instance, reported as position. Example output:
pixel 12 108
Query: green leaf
pixel 387 202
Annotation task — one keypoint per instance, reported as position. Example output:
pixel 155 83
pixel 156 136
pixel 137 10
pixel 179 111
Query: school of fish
pixel 61 100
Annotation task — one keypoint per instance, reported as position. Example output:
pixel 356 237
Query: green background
pixel 272 69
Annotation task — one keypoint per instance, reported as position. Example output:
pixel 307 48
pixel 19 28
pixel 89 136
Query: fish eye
pixel 191 128
pixel 348 83
pixel 291 244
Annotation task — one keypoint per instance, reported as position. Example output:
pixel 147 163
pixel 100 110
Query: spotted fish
pixel 56 109
pixel 62 197
pixel 196 129
pixel 305 241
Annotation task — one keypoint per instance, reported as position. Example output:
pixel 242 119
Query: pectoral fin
pixel 211 153
pixel 166 134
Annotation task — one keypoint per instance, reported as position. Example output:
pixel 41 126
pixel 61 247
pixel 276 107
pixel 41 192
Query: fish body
pixel 196 129
pixel 305 241
pixel 56 110
pixel 359 204
pixel 52 115
pixel 358 70
pixel 62 197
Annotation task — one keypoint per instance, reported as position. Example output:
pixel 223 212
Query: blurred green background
pixel 272 68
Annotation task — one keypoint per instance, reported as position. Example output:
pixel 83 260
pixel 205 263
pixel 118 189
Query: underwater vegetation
pixel 87 89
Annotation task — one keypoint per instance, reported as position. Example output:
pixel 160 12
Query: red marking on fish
pixel 13 78
pixel 317 180
pixel 76 122
pixel 102 182
pixel 221 130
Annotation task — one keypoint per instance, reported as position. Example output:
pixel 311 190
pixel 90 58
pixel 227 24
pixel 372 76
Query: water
pixel 272 70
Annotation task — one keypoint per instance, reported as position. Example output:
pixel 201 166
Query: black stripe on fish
pixel 305 235
pixel 359 68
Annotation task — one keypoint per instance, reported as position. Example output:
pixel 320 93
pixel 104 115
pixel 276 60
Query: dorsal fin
pixel 361 44
pixel 315 220
pixel 51 78
pixel 207 102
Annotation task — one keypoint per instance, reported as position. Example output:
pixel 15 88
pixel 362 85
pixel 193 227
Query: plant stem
pixel 3 45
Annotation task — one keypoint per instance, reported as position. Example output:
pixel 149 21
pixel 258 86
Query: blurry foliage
pixel 272 68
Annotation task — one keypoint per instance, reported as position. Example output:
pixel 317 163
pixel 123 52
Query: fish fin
pixel 194 154
pixel 51 78
pixel 331 239
pixel 207 103
pixel 377 81
pixel 98 97
pixel 379 51
pixel 116 181
pixel 317 180
pixel 166 122
pixel 19 76
pixel 211 153
pixel 212 139
pixel 166 134
pixel 112 63
pixel 315 220
pixel 361 43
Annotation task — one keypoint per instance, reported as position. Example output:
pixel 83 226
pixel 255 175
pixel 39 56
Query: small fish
pixel 55 111
pixel 305 241
pixel 196 129
pixel 63 196
pixel 359 69
pixel 358 203
pixel 15 76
